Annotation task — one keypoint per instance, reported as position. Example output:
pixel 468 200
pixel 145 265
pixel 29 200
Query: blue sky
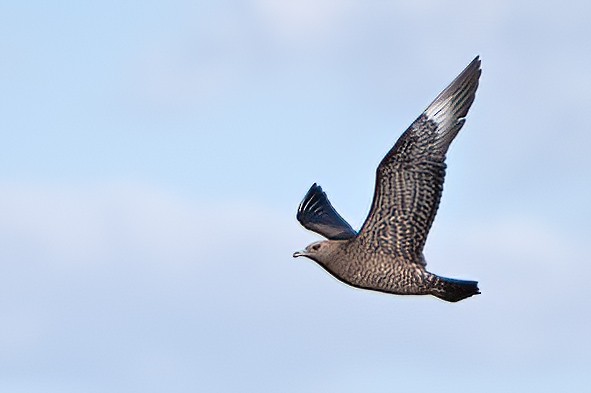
pixel 153 155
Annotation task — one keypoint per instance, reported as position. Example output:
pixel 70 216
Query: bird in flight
pixel 386 254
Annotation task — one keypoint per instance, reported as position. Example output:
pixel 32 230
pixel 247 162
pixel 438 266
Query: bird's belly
pixel 387 277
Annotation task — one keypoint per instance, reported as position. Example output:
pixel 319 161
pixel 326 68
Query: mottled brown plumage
pixel 387 253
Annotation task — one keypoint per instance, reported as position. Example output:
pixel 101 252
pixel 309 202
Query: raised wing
pixel 409 180
pixel 317 214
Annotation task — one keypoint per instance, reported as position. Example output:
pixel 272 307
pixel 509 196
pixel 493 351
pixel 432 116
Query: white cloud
pixel 308 21
pixel 193 288
pixel 88 225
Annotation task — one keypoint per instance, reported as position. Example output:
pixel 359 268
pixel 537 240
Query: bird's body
pixel 376 271
pixel 387 253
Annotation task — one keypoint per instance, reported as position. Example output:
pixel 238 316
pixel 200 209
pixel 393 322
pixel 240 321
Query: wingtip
pixel 313 193
pixel 473 66
pixel 316 213
pixel 453 103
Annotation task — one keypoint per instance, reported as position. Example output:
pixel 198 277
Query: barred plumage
pixel 387 253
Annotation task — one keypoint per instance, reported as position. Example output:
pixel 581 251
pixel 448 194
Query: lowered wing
pixel 317 214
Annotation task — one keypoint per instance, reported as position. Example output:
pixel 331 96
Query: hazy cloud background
pixel 153 154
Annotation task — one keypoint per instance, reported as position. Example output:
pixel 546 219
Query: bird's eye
pixel 315 247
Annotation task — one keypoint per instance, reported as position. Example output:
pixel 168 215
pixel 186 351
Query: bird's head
pixel 320 252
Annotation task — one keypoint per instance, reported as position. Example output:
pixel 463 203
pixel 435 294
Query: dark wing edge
pixel 409 179
pixel 317 214
pixel 430 135
pixel 451 106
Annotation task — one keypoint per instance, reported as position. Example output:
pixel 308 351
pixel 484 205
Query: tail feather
pixel 453 290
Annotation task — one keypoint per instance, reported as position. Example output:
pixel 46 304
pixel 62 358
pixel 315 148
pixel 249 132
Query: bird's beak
pixel 299 254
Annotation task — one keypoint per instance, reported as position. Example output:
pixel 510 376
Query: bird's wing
pixel 317 214
pixel 409 179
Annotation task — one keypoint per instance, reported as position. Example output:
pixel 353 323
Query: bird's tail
pixel 452 290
